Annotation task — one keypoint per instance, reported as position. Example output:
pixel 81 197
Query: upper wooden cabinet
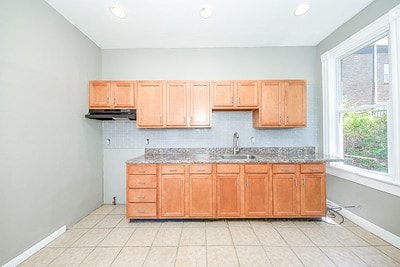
pixel 187 104
pixel 177 97
pixel 282 104
pixel 200 106
pixel 173 104
pixel 111 94
pixel 150 104
pixel 235 95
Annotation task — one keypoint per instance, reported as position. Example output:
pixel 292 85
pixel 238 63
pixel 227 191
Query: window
pixel 361 104
pixel 363 107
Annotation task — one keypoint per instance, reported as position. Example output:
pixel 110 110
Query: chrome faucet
pixel 236 148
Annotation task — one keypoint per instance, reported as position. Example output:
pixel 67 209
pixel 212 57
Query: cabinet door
pixel 247 94
pixel 256 195
pixel 123 94
pixel 313 197
pixel 99 94
pixel 172 196
pixel 176 104
pixel 285 195
pixel 228 195
pixel 150 104
pixel 200 110
pixel 200 195
pixel 223 94
pixel 270 106
pixel 295 103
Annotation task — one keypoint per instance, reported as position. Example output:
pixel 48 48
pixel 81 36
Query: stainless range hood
pixel 111 114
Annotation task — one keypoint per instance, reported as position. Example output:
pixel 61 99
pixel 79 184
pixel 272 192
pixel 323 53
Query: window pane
pixel 365 91
pixel 365 139
pixel 365 78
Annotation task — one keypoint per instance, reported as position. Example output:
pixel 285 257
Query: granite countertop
pixel 213 155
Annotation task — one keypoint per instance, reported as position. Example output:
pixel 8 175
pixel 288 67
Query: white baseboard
pixel 373 228
pixel 29 252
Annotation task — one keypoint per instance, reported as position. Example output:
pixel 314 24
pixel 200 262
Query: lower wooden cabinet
pixel 299 190
pixel 225 190
pixel 285 195
pixel 200 190
pixel 141 191
pixel 256 190
pixel 313 189
pixel 172 191
pixel 228 190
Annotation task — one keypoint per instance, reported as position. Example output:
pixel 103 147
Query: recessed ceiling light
pixel 118 12
pixel 206 12
pixel 302 9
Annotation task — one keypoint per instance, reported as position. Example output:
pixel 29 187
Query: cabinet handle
pixel 237 182
pixel 247 182
pixel 239 100
pixel 141 197
pixel 285 170
pixel 232 99
pixel 108 100
pixel 141 182
pixel 304 181
pixel 287 119
pixel 201 170
pixel 160 119
pixel 114 100
pixel 280 119
pixel 184 119
pixel 141 171
pixel 191 119
pixel 314 169
pixel 295 182
pixel 174 170
pixel 141 211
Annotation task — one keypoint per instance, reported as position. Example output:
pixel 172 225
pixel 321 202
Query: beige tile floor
pixel 106 238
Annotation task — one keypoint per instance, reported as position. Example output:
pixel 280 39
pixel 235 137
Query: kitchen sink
pixel 238 156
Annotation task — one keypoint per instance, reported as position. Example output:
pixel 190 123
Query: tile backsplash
pixel 124 134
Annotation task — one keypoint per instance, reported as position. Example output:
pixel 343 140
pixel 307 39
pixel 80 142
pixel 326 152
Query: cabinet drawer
pixel 200 168
pixel 169 169
pixel 141 210
pixel 256 168
pixel 307 168
pixel 284 168
pixel 228 168
pixel 141 169
pixel 142 195
pixel 142 181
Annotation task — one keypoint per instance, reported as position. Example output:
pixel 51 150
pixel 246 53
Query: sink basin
pixel 237 156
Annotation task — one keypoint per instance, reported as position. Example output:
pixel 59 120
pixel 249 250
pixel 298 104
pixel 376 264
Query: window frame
pixel 388 24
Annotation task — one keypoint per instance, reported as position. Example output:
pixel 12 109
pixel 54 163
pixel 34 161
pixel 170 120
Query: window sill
pixel 370 180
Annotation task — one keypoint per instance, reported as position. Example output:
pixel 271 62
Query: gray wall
pixel 50 156
pixel 205 64
pixel 211 63
pixel 376 206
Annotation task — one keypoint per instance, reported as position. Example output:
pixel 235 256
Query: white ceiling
pixel 235 23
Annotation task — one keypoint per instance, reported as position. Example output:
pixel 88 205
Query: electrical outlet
pixel 147 141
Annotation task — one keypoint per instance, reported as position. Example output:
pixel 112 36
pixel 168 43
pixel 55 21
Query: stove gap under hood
pixel 111 114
